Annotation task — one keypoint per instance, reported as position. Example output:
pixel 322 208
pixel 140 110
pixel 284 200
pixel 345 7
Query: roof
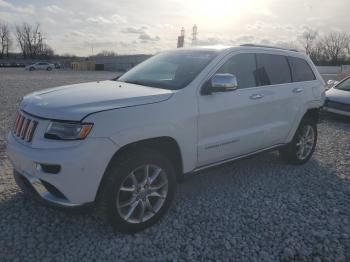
pixel 267 46
pixel 223 47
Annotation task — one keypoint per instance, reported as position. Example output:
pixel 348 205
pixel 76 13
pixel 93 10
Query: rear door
pixel 275 76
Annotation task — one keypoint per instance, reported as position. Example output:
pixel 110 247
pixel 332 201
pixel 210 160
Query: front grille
pixel 337 105
pixel 24 127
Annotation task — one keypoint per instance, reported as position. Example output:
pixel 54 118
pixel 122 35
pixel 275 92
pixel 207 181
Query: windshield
pixel 344 85
pixel 169 70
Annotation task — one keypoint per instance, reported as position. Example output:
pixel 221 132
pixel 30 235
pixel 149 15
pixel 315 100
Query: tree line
pixel 328 49
pixel 29 39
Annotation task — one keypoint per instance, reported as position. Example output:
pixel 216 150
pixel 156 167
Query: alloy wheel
pixel 142 193
pixel 305 142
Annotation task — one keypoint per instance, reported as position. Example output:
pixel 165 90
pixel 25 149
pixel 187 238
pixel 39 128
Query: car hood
pixel 338 95
pixel 74 102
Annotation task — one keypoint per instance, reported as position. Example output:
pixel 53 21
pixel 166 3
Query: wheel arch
pixel 165 145
pixel 312 114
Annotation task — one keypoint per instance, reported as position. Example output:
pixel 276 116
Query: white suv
pixel 122 144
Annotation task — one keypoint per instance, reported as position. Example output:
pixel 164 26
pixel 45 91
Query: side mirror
pixel 332 82
pixel 220 83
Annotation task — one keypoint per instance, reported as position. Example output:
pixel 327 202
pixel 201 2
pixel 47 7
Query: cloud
pixel 146 37
pixel 261 25
pixel 102 20
pixel 244 39
pixel 264 12
pixel 5 4
pixel 133 30
pixel 212 40
pixel 27 9
pixel 77 33
pixel 54 9
pixel 143 35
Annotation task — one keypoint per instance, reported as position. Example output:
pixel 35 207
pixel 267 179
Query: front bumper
pixel 34 186
pixel 78 180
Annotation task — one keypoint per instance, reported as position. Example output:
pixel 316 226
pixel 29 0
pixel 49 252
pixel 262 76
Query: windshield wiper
pixel 136 83
pixel 117 77
pixel 141 83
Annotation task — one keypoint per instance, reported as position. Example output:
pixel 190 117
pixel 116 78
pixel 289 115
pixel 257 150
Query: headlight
pixel 68 130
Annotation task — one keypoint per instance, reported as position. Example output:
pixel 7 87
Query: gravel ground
pixel 257 209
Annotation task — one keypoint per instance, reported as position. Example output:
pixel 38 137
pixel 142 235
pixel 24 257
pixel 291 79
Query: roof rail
pixel 267 46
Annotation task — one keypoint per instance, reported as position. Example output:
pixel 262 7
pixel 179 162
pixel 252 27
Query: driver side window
pixel 243 66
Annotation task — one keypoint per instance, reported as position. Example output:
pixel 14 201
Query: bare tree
pixel 335 46
pixel 317 53
pixel 330 48
pixel 106 53
pixel 308 40
pixel 31 41
pixel 5 40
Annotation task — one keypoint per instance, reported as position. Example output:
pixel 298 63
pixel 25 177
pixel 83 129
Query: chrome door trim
pixel 235 158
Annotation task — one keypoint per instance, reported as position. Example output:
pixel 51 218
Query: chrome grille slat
pixel 24 127
pixel 19 126
pixel 17 120
pixel 30 133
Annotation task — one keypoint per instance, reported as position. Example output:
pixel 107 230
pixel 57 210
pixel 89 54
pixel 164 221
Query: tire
pixel 49 69
pixel 118 194
pixel 31 68
pixel 292 153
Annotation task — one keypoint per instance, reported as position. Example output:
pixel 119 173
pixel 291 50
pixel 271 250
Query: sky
pixel 85 27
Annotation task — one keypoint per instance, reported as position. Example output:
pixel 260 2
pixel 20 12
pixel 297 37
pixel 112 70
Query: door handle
pixel 256 96
pixel 297 90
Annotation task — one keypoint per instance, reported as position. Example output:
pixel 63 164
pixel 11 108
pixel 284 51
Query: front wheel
pixel 303 145
pixel 137 190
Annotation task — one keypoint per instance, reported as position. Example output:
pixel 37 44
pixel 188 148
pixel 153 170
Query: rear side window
pixel 301 71
pixel 272 70
pixel 243 67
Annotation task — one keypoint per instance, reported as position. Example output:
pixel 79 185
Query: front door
pixel 234 123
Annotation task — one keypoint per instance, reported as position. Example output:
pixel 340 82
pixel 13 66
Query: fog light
pixel 48 168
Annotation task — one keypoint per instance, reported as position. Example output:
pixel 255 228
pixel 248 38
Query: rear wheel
pixel 137 190
pixel 300 150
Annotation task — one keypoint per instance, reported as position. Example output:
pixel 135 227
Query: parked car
pixel 331 83
pixel 58 66
pixel 123 144
pixel 338 98
pixel 40 66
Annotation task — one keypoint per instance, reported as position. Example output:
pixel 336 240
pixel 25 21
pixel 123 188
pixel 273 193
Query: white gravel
pixel 257 209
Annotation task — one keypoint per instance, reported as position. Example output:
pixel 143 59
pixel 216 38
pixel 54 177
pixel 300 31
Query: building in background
pixel 181 39
pixel 194 35
pixel 120 63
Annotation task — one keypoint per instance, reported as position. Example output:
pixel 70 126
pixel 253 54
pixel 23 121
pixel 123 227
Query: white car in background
pixel 40 66
pixel 123 144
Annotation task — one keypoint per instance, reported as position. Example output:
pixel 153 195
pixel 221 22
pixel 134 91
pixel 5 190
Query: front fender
pixel 129 125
